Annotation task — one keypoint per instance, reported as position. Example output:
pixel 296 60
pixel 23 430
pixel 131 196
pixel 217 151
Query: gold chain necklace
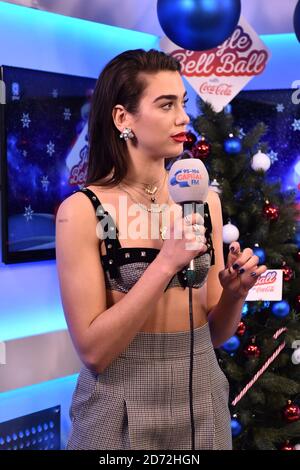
pixel 150 188
pixel 142 206
pixel 162 229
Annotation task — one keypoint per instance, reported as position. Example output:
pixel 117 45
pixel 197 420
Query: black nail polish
pixel 241 271
pixel 236 266
pixel 253 274
pixel 232 249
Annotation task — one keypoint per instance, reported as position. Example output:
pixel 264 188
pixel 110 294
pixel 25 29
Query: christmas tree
pixel 261 361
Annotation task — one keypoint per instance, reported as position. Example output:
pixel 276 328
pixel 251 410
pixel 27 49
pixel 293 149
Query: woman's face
pixel 161 115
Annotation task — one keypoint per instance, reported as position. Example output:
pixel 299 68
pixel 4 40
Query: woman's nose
pixel 182 118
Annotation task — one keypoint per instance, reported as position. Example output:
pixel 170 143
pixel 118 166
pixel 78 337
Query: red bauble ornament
pixel 287 446
pixel 201 149
pixel 241 328
pixel 270 211
pixel 191 139
pixel 288 273
pixel 252 350
pixel 291 412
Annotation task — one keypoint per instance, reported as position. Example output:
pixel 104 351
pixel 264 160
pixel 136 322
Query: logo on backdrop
pixel 218 74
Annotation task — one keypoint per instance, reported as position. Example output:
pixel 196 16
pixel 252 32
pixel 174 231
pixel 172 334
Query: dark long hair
pixel 120 82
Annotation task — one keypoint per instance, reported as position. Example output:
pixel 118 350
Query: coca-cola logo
pixel 235 57
pixel 221 89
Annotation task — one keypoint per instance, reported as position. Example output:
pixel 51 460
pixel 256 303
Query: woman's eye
pixel 167 105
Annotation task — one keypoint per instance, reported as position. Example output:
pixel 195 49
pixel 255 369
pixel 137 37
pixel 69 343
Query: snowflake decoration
pixel 296 125
pixel 54 93
pixel 45 183
pixel 67 114
pixel 241 133
pixel 50 148
pixel 24 153
pixel 273 156
pixel 28 213
pixel 25 120
pixel 280 108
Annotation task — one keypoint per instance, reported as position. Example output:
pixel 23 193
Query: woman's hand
pixel 184 240
pixel 241 272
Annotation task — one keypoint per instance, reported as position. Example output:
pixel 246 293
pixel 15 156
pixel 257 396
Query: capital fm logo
pixel 186 177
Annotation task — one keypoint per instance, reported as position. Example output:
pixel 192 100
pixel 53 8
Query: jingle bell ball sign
pixel 267 287
pixel 218 74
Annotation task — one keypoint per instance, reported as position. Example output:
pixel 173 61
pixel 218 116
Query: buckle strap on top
pixel 110 231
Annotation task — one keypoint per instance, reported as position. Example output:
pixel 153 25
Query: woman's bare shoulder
pixel 213 200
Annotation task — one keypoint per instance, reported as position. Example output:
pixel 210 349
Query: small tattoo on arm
pixel 62 220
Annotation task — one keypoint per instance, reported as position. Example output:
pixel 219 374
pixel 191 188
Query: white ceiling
pixel 265 16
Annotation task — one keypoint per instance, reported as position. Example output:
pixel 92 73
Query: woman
pixel 127 309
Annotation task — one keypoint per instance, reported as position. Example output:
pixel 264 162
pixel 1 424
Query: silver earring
pixel 126 134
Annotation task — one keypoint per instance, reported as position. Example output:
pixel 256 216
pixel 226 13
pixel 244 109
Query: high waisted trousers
pixel 141 400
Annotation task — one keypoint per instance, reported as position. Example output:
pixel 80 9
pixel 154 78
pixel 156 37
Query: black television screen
pixel 279 109
pixel 43 154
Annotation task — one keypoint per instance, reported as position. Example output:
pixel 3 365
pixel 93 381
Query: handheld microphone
pixel 188 186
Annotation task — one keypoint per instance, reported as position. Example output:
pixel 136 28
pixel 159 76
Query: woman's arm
pixel 224 310
pixel 227 288
pixel 99 333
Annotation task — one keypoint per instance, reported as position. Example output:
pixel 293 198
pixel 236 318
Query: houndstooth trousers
pixel 141 401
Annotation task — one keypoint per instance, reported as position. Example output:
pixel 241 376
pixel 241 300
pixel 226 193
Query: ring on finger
pixel 196 227
pixel 187 219
pixel 200 238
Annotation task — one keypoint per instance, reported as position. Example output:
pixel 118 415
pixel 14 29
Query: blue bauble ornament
pixel 245 309
pixel 260 253
pixel 231 344
pixel 232 145
pixel 198 25
pixel 297 21
pixel 236 427
pixel 227 109
pixel 281 309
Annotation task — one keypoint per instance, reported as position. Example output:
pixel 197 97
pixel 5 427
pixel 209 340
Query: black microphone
pixel 188 186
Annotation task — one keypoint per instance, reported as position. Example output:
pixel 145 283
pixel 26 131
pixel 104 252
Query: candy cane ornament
pixel 263 368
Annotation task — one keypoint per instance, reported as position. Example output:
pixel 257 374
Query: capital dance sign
pixel 218 74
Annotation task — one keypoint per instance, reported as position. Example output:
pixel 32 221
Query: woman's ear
pixel 120 117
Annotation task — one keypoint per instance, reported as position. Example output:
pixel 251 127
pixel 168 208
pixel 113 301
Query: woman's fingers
pixel 251 263
pixel 237 262
pixel 253 271
pixel 234 252
pixel 256 272
pixel 194 218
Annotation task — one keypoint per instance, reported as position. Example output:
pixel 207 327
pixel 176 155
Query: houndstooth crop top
pixel 123 267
